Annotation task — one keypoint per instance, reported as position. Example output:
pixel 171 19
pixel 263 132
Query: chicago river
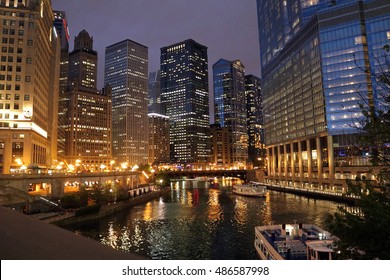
pixel 194 221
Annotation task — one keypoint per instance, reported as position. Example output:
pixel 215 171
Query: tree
pixel 365 235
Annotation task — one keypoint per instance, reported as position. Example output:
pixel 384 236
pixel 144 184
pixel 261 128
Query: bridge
pixel 19 188
pixel 192 174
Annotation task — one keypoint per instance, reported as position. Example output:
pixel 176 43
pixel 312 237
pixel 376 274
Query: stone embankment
pixel 106 210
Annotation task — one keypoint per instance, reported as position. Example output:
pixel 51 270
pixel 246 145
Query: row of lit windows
pixel 16 96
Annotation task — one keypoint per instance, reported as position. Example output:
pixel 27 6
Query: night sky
pixel 227 27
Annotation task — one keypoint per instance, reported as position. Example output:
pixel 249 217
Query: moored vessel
pixel 252 189
pixel 294 242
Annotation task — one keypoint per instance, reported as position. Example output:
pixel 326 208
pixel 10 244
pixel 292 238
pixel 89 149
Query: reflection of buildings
pixel 29 77
pixel 230 107
pixel 126 71
pixel 88 122
pixel 311 52
pixel 185 99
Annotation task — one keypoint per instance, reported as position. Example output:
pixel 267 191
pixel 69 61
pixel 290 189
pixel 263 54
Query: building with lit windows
pixel 126 71
pixel 317 63
pixel 29 76
pixel 254 111
pixel 220 147
pixel 154 92
pixel 88 136
pixel 230 107
pixel 88 115
pixel 158 139
pixel 61 25
pixel 185 99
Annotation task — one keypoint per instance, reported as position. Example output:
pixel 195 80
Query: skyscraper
pixel 254 109
pixel 83 63
pixel 88 111
pixel 158 139
pixel 185 99
pixel 316 70
pixel 230 107
pixel 154 92
pixel 126 71
pixel 28 86
pixel 61 25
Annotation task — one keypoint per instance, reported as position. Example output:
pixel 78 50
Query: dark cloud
pixel 227 27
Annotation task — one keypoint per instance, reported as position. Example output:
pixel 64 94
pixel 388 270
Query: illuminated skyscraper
pixel 88 114
pixel 126 71
pixel 230 107
pixel 158 139
pixel 61 25
pixel 154 92
pixel 317 59
pixel 254 111
pixel 185 99
pixel 29 77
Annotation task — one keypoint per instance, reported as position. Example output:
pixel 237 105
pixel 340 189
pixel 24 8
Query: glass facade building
pixel 61 26
pixel 230 107
pixel 254 111
pixel 126 71
pixel 316 72
pixel 185 100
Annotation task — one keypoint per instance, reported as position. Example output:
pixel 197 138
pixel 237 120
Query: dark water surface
pixel 196 222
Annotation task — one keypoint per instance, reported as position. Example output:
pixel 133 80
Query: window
pixel 20 50
pixel 17 87
pixel 7 106
pixel 18 68
pixel 19 59
pixel 1 106
pixel 21 32
pixel 28 60
pixel 8 96
pixel 31 25
pixel 26 97
pixel 28 79
pixel 16 106
pixel 17 96
pixel 3 49
pixel 17 78
pixel 5 40
pixel 29 42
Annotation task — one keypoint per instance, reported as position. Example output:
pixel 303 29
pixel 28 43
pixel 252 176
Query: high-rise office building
pixel 230 107
pixel 254 109
pixel 158 139
pixel 126 71
pixel 61 25
pixel 316 71
pixel 154 92
pixel 83 63
pixel 28 86
pixel 185 99
pixel 221 147
pixel 88 114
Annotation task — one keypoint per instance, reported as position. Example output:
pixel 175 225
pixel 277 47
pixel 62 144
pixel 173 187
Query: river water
pixel 194 221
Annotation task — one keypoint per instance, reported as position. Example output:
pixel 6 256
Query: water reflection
pixel 196 222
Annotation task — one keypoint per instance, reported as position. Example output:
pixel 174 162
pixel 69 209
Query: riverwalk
pixel 35 237
pixel 314 193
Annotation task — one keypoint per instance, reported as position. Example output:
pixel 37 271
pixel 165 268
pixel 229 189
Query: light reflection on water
pixel 195 222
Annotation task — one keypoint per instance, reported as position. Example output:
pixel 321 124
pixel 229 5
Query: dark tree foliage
pixel 366 234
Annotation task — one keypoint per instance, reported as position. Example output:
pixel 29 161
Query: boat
pixel 213 183
pixel 252 189
pixel 294 242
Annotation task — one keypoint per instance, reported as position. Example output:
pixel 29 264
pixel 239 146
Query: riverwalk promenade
pixel 35 237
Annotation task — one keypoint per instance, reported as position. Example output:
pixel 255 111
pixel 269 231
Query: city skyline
pixel 156 25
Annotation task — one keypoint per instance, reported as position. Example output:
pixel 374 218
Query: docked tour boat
pixel 251 189
pixel 293 242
